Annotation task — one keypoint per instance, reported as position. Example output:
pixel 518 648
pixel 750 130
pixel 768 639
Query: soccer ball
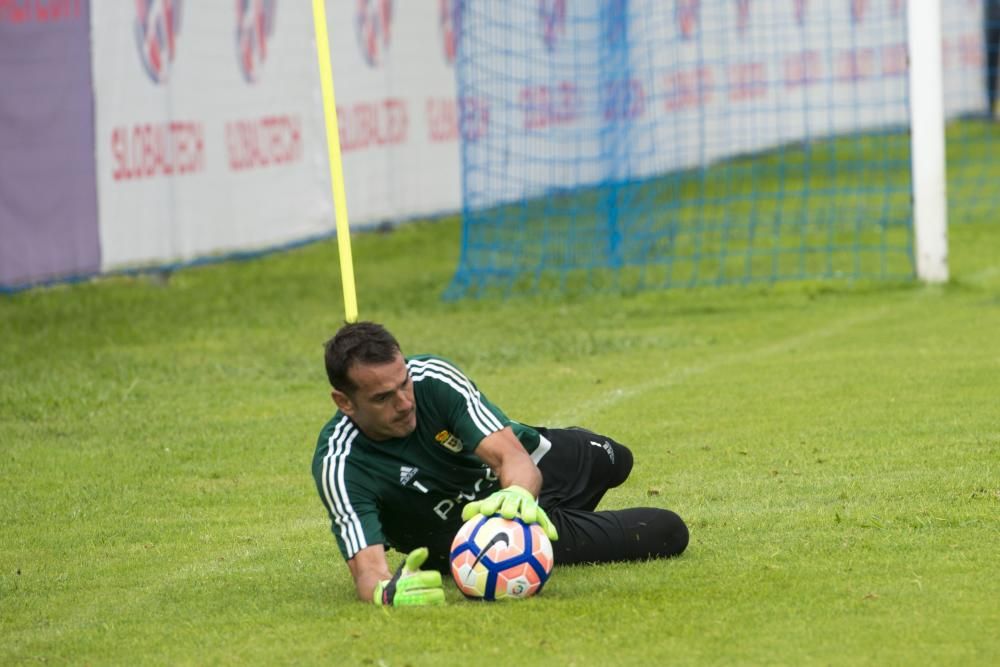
pixel 494 558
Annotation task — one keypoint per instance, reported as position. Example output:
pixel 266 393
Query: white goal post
pixel 927 150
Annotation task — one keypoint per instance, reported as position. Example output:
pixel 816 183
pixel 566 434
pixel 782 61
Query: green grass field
pixel 834 448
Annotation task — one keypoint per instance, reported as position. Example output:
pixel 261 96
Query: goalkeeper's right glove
pixel 510 502
pixel 410 586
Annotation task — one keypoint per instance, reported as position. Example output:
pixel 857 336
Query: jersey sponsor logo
pixel 157 25
pixel 449 441
pixel 444 508
pixel 254 26
pixel 606 446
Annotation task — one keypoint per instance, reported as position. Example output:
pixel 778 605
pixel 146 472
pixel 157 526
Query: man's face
pixel 382 406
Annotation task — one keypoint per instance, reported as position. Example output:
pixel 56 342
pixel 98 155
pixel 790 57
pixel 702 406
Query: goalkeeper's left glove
pixel 410 586
pixel 509 503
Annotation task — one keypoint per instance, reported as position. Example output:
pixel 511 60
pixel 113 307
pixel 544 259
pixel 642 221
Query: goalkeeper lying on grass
pixel 415 449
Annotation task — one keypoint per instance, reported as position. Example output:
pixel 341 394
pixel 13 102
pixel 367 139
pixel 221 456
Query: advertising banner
pixel 151 132
pixel 393 66
pixel 48 203
pixel 209 130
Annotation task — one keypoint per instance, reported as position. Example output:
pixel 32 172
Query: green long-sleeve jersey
pixel 397 492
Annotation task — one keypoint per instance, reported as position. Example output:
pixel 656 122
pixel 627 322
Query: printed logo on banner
pixel 552 16
pixel 450 24
pixel 157 25
pixel 372 21
pixel 800 11
pixel 858 10
pixel 25 11
pixel 742 16
pixel 686 14
pixel 254 27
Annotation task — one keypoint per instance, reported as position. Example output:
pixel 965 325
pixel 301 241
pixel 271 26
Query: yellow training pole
pixel 336 166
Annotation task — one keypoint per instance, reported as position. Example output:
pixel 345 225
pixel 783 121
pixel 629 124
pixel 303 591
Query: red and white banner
pixel 209 123
pixel 209 138
pixel 393 66
pixel 210 132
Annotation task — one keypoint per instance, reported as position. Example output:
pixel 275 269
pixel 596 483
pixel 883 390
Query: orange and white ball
pixel 493 558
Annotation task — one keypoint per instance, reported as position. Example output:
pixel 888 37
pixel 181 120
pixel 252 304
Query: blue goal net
pixel 628 144
pixel 971 60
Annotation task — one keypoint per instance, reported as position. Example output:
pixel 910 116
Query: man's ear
pixel 343 402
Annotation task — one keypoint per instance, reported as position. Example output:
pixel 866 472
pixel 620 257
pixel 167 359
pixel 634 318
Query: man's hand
pixel 512 502
pixel 410 586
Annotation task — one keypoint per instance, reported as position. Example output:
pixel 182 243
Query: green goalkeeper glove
pixel 410 586
pixel 510 503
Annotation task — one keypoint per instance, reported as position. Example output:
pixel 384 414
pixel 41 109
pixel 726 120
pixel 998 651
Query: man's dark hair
pixel 357 343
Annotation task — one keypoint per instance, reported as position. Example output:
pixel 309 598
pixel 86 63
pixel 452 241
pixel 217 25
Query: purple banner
pixel 48 190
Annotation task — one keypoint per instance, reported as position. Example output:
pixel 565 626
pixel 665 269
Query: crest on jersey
pixel 449 441
pixel 254 26
pixel 686 15
pixel 157 24
pixel 372 22
pixel 552 17
pixel 450 25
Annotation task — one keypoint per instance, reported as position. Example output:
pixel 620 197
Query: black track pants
pixel 576 473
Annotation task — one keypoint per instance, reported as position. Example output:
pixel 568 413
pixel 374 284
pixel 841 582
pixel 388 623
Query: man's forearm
pixel 503 452
pixel 523 473
pixel 365 586
pixel 368 567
